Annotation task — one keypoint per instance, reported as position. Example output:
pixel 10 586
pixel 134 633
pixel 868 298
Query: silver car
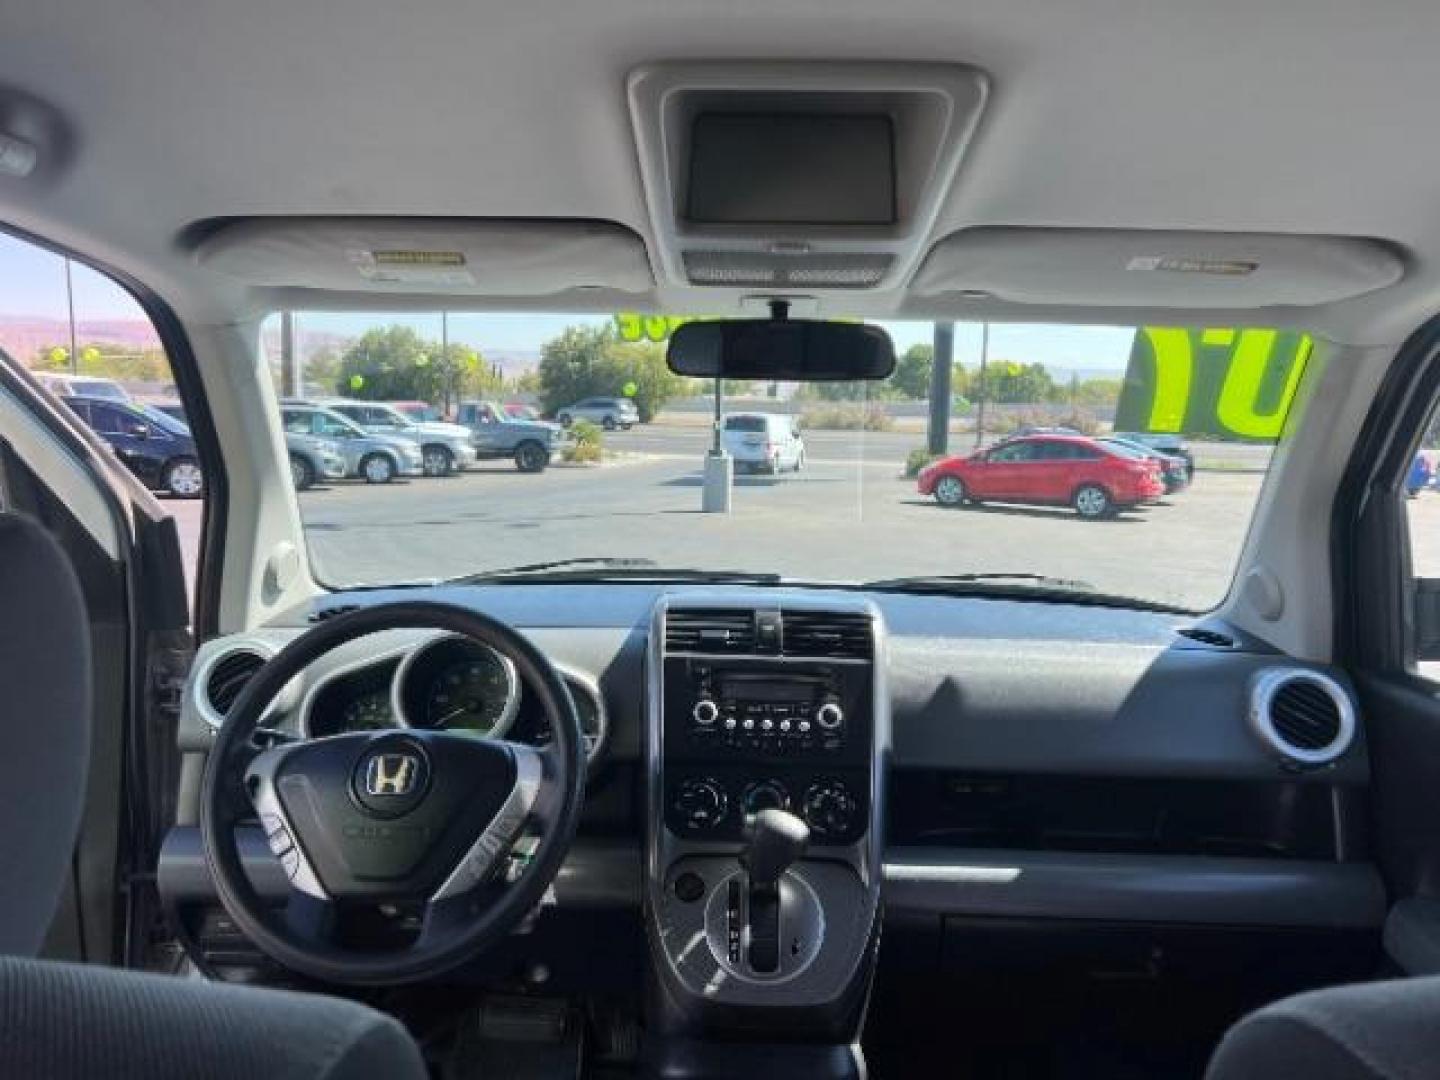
pixel 376 459
pixel 313 459
pixel 444 448
pixel 609 412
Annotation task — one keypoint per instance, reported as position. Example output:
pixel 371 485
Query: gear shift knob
pixel 777 840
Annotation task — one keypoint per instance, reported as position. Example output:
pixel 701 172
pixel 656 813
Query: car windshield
pixel 856 481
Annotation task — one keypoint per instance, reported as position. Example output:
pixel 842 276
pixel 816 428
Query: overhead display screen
pixel 791 169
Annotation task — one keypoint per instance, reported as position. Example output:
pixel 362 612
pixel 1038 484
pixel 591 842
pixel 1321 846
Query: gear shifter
pixel 777 841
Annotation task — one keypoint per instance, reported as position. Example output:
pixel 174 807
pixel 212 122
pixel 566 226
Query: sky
pixel 32 285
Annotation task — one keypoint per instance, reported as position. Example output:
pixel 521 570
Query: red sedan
pixel 1096 478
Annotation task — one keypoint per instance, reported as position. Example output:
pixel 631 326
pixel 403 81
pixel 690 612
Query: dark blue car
pixel 155 446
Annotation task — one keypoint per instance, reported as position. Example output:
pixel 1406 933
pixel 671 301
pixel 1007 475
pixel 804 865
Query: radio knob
pixel 701 804
pixel 706 712
pixel 830 808
pixel 829 716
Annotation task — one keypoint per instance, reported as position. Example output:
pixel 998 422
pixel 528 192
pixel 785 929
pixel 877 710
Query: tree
pixel 911 378
pixel 588 361
pixel 1009 382
pixel 395 363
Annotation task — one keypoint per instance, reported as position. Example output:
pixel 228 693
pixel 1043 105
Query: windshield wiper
pixel 1015 585
pixel 600 568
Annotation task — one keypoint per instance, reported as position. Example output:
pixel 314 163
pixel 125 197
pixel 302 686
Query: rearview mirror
pixel 783 350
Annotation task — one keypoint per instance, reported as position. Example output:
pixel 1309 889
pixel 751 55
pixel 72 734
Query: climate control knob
pixel 700 804
pixel 705 712
pixel 765 795
pixel 830 809
pixel 829 716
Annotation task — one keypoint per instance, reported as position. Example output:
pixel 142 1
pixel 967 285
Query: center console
pixel 768 734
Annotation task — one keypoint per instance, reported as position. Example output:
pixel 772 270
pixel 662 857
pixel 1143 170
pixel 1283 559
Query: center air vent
pixel 226 678
pixel 1304 716
pixel 829 634
pixel 718 630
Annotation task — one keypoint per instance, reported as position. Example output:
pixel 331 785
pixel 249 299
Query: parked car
pixel 1096 479
pixel 496 434
pixel 155 446
pixel 1164 442
pixel 170 408
pixel 89 386
pixel 609 412
pixel 764 442
pixel 376 459
pixel 421 412
pixel 312 458
pixel 1174 470
pixel 444 448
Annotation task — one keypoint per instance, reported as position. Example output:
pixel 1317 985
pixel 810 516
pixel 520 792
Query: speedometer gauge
pixel 471 694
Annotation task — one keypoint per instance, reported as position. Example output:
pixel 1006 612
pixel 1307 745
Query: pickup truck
pixel 496 434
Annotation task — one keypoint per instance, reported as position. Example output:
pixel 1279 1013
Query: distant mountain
pixel 25 337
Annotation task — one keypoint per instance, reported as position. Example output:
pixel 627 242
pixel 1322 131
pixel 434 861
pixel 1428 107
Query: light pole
pixel 980 398
pixel 70 301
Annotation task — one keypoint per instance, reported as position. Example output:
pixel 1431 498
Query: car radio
pixel 748 733
pixel 739 710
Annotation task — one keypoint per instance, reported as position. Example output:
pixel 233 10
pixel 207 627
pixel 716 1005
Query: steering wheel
pixel 423 820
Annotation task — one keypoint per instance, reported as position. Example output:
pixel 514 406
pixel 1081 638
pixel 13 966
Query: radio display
pixel 753 690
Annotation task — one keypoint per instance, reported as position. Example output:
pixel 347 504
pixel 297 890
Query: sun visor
pixel 1161 269
pixel 460 256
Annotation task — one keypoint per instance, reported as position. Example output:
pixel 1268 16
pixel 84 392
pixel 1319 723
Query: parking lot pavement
pixel 844 518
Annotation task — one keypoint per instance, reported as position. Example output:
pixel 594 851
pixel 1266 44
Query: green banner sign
pixel 632 326
pixel 1221 382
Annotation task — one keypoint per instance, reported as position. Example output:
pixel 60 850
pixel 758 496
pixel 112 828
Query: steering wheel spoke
pixel 487 854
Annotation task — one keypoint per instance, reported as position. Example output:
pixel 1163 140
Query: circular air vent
pixel 1304 716
pixel 224 676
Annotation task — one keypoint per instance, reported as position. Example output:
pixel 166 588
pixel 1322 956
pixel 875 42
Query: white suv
pixel 764 442
pixel 609 412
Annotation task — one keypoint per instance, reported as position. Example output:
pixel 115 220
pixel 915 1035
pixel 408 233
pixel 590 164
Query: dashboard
pixel 1002 760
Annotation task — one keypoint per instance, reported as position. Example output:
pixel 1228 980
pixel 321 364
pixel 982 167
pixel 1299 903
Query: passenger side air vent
pixel 832 635
pixel 319 615
pixel 226 678
pixel 1304 716
pixel 1206 636
pixel 704 630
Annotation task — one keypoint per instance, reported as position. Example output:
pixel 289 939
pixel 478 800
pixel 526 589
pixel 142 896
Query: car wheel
pixel 1092 501
pixel 565 419
pixel 302 473
pixel 531 457
pixel 437 461
pixel 183 478
pixel 377 469
pixel 609 423
pixel 950 491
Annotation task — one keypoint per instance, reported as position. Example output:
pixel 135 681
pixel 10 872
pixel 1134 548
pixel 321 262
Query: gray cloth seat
pixel 69 1021
pixel 1373 1031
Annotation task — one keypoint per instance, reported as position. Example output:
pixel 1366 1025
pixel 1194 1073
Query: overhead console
pixel 798 176
pixel 768 734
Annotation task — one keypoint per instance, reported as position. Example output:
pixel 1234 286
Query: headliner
pixel 1281 117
